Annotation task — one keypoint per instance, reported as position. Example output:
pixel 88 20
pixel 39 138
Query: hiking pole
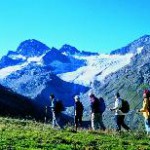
pixel 45 119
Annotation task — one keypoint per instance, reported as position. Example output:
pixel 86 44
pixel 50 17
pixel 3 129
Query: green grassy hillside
pixel 29 135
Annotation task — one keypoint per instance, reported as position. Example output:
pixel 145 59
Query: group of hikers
pixel 120 109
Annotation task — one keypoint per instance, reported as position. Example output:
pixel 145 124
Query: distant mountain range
pixel 34 71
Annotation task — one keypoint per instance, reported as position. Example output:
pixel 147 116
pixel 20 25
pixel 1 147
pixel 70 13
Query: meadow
pixel 18 134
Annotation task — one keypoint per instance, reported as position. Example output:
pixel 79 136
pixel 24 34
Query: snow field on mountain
pixel 4 72
pixel 98 67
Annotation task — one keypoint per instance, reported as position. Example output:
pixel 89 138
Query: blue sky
pixel 92 25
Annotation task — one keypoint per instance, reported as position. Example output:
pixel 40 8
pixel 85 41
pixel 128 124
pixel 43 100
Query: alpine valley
pixel 29 74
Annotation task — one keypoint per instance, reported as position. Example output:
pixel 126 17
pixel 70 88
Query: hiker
pixel 56 112
pixel 145 110
pixel 119 115
pixel 78 112
pixel 96 114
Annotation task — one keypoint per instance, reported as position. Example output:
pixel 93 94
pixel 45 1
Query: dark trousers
pixel 97 121
pixel 78 121
pixel 120 122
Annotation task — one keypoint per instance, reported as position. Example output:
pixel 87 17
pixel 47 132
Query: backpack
pixel 59 107
pixel 125 108
pixel 102 106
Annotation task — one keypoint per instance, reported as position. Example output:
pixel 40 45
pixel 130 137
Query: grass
pixel 18 134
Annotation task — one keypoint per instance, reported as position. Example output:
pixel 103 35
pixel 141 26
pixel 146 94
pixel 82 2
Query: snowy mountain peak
pixel 11 53
pixel 31 48
pixel 69 50
pixel 135 47
pixel 145 38
pixel 72 51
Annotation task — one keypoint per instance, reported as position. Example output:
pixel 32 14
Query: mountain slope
pixel 134 47
pixel 34 81
pixel 36 70
pixel 130 81
pixel 12 104
pixel 36 75
pixel 96 68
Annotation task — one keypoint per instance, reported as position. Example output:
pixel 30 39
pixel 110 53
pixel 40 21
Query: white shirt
pixel 118 105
